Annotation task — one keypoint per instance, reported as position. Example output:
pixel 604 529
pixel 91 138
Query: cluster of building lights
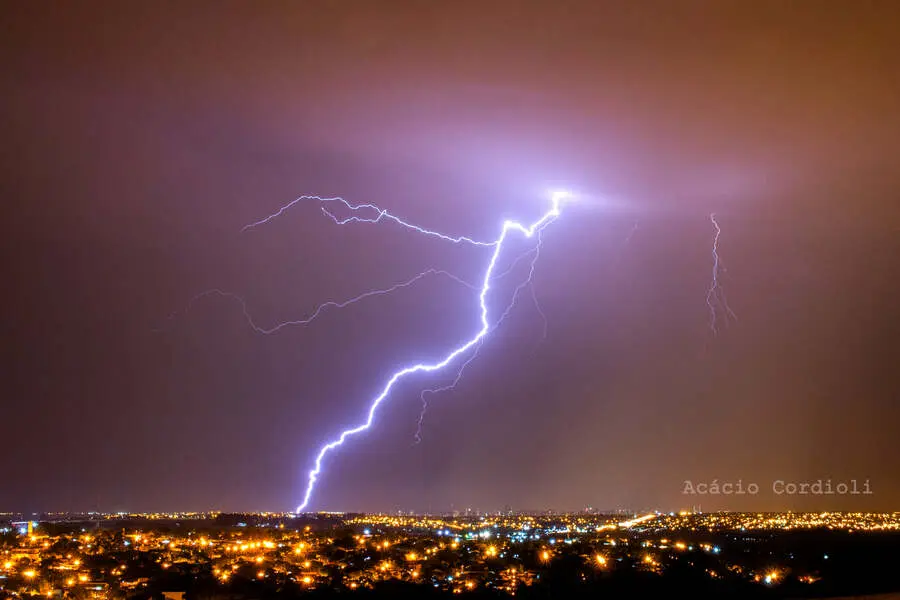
pixel 451 553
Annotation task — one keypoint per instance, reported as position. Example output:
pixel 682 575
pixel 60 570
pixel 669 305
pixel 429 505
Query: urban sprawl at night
pixel 252 555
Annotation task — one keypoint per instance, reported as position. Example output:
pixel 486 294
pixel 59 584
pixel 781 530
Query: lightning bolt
pixel 325 305
pixel 715 296
pixel 534 298
pixel 529 281
pixel 424 395
pixel 381 215
pixel 509 227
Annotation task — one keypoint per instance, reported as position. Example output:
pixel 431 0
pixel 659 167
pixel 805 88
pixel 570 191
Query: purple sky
pixel 140 138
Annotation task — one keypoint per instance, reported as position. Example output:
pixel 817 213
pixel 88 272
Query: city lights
pixel 445 552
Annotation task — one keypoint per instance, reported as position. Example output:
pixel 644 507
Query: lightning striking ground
pixel 508 227
pixel 715 296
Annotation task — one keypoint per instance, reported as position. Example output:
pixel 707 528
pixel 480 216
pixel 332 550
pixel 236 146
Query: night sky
pixel 139 138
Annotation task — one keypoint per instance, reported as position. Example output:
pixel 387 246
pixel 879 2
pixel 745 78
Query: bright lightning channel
pixel 715 296
pixel 509 226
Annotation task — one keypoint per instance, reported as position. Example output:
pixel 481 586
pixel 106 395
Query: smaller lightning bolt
pixel 381 215
pixel 325 305
pixel 715 296
pixel 534 298
pixel 424 395
pixel 537 306
pixel 529 282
